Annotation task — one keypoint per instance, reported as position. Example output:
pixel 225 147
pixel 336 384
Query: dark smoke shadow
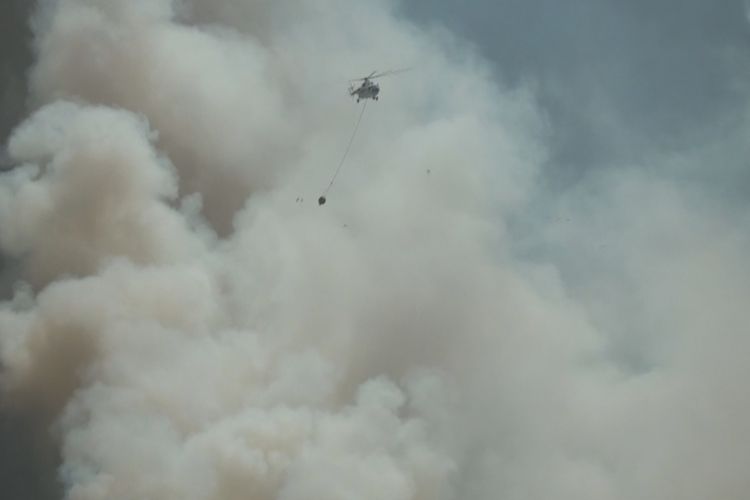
pixel 28 454
pixel 28 459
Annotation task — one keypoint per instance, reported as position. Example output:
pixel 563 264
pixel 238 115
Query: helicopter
pixel 369 89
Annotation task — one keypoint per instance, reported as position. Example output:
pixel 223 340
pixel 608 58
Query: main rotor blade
pixel 364 77
pixel 389 73
pixel 375 74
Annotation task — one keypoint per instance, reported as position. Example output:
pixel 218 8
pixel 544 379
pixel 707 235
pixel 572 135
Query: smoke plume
pixel 181 320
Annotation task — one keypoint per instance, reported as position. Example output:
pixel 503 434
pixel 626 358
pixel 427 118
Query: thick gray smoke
pixel 187 328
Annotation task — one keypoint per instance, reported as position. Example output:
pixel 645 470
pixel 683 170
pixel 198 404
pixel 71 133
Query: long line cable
pixel 346 153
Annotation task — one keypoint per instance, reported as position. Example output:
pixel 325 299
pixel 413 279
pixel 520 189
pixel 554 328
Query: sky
pixel 529 279
pixel 617 80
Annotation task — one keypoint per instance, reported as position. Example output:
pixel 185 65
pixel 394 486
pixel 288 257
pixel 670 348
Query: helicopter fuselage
pixel 368 90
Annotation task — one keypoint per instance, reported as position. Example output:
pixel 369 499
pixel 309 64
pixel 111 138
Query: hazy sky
pixel 530 280
pixel 618 79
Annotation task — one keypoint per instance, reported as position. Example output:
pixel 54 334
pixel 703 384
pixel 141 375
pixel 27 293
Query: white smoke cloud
pixel 194 332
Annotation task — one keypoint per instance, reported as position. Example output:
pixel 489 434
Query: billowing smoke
pixel 182 320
